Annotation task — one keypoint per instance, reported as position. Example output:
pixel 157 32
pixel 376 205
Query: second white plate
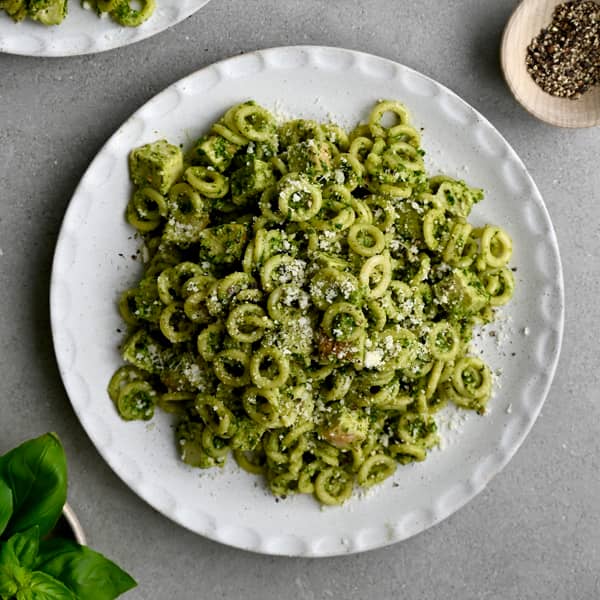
pixel 94 263
pixel 83 32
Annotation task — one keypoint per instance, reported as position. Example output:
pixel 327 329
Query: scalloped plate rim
pixel 532 414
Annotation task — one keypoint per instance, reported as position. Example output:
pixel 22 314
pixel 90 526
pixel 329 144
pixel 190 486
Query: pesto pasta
pixel 53 12
pixel 308 299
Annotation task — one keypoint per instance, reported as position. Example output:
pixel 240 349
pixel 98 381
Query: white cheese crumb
pixel 373 358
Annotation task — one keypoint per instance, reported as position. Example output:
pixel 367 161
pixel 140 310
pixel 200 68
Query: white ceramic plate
pixel 83 32
pixel 93 264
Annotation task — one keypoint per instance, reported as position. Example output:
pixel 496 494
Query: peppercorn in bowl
pixel 550 57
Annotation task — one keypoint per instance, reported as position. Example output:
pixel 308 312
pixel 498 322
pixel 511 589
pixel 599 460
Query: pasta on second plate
pixel 308 300
pixel 53 12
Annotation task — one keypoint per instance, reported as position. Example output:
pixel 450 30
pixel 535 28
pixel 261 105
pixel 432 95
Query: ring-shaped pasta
pixel 333 486
pixel 128 306
pixel 247 323
pixel 284 484
pixel 262 406
pixel 343 321
pixel 208 182
pixel 146 208
pixel 106 5
pixel 174 324
pixel 215 446
pixel 252 462
pixel 338 193
pixel 231 367
pixel 360 148
pixel 175 402
pixel 471 378
pixel 386 106
pixel 330 285
pixel 443 341
pixel 194 307
pixel 210 341
pixel 400 155
pixel 229 132
pixel 216 415
pixel 327 453
pixel 395 190
pixel 458 242
pixel 415 428
pixel 500 285
pixel 348 170
pixel 375 314
pixel 307 475
pixel 254 122
pixel 337 385
pixel 496 246
pixel 291 439
pixel 400 347
pixel 264 378
pixel 143 351
pixel 376 275
pixel 280 269
pixel 223 291
pixel 127 16
pixel 334 216
pixel 248 295
pixel 334 134
pixel 136 401
pixel 184 203
pixel 435 228
pixel 198 284
pixel 383 212
pixel 404 133
pixel 423 272
pixel 298 199
pixel 366 240
pixel 171 280
pixel 433 380
pixel 375 469
pixel 406 452
pixel 123 375
pixel 279 165
pixel 287 303
pixel 248 263
pixel 389 397
pixel 274 449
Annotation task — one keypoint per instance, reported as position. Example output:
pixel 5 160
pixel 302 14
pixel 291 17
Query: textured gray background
pixel 533 533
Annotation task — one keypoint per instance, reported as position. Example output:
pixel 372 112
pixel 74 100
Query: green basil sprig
pixel 36 473
pixel 33 490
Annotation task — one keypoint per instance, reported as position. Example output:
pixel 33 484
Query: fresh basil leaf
pixel 25 546
pixel 8 558
pixel 8 586
pixel 36 472
pixel 45 587
pixel 6 505
pixel 86 572
pixel 13 576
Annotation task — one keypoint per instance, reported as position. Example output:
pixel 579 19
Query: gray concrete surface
pixel 533 533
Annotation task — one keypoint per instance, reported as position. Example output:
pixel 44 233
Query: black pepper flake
pixel 564 58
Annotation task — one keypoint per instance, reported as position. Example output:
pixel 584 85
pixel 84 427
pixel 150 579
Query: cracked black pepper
pixel 564 58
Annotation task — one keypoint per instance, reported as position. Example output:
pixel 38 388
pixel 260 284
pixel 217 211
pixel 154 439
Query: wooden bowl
pixel 525 23
pixel 68 527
